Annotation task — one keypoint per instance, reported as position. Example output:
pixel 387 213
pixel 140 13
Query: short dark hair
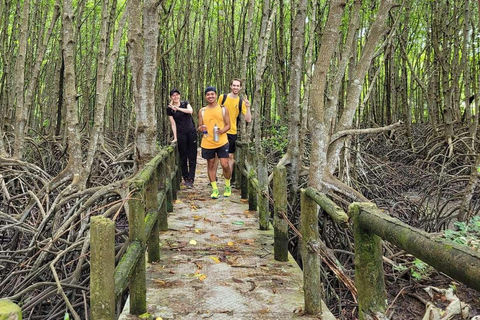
pixel 236 79
pixel 173 91
pixel 210 88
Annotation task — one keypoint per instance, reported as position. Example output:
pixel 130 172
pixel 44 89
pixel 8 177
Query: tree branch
pixel 341 134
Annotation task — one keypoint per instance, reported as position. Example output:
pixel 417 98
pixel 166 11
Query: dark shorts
pixel 232 138
pixel 221 152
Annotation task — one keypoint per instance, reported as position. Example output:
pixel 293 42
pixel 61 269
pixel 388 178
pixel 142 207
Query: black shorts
pixel 232 138
pixel 221 152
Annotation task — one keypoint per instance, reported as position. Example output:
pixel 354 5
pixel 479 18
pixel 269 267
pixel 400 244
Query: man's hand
pixel 247 103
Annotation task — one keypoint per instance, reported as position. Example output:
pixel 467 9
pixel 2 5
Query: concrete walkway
pixel 216 264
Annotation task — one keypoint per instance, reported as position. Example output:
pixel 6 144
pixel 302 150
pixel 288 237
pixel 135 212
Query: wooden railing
pixel 370 226
pixel 152 192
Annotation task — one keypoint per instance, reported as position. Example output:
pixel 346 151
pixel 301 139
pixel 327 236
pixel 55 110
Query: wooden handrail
pixel 371 225
pixel 154 188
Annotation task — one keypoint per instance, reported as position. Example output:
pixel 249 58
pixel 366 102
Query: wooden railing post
pixel 309 248
pixel 151 194
pixel 178 176
pixel 102 268
pixel 263 194
pixel 137 282
pixel 173 175
pixel 242 179
pixel 162 174
pixel 170 193
pixel 280 246
pixel 238 166
pixel 252 193
pixel 9 310
pixel 369 277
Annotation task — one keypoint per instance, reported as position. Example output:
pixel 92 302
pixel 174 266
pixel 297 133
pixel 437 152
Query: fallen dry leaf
pixel 160 282
pixel 193 242
pixel 244 200
pixel 177 201
pixel 202 277
pixel 198 264
pixel 197 231
pixel 215 259
pixel 213 237
pixel 196 217
pixel 237 280
pixel 249 241
pixel 265 310
pixel 230 243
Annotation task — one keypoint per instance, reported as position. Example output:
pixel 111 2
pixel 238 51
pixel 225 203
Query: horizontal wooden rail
pixel 154 188
pixel 371 225
pixel 330 207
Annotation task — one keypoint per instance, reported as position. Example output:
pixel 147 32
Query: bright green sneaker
pixel 227 191
pixel 214 194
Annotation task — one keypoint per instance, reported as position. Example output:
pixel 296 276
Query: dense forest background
pixel 363 100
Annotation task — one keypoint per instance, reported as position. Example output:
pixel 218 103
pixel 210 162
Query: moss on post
pixel 369 277
pixel 162 205
pixel 102 267
pixel 9 310
pixel 312 284
pixel 137 283
pixel 280 248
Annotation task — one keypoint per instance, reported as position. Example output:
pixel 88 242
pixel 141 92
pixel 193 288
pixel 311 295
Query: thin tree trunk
pixel 296 74
pixel 73 128
pixel 21 111
pixel 318 125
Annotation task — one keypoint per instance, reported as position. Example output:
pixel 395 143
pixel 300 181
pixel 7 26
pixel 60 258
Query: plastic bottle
pixel 215 133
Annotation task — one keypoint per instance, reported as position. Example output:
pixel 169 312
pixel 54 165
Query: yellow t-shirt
pixel 212 116
pixel 232 106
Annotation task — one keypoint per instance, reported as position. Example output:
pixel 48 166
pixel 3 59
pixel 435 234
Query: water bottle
pixel 215 133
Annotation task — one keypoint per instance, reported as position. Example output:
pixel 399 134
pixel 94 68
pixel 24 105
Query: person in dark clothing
pixel 184 132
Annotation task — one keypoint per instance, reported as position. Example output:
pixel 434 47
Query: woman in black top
pixel 184 132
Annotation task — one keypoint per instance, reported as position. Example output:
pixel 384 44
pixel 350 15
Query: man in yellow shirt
pixel 233 103
pixel 211 117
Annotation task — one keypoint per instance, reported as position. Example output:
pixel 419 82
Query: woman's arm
pixel 188 109
pixel 174 128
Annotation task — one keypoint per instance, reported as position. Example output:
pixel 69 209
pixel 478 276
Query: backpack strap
pixel 240 107
pixel 224 98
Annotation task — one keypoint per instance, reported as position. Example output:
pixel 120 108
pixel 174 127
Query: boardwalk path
pixel 216 264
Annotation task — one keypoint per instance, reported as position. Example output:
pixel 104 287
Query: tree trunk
pixel 21 112
pixel 296 74
pixel 70 97
pixel 318 124
pixel 142 39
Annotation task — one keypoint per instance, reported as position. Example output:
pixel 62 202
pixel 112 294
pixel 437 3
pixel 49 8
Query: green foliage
pixel 277 140
pixel 467 234
pixel 420 270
